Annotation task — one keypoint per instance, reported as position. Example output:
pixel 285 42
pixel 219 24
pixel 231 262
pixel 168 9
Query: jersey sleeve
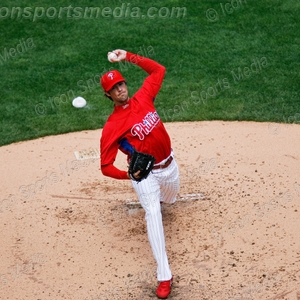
pixel 153 82
pixel 109 149
pixel 111 171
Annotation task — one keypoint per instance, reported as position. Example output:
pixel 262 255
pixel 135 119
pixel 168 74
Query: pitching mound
pixel 70 233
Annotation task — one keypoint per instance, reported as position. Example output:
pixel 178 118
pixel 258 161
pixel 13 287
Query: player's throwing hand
pixel 116 55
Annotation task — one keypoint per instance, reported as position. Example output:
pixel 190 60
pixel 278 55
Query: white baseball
pixel 79 102
pixel 112 57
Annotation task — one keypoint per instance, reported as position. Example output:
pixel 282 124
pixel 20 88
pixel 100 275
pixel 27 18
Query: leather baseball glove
pixel 140 165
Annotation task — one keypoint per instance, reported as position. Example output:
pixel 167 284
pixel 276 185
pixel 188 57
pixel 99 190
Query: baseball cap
pixel 109 79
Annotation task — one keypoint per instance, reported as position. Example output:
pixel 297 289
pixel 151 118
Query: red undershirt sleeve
pixel 112 171
pixel 156 71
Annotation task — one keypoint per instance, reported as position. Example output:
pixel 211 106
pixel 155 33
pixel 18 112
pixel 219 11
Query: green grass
pixel 65 57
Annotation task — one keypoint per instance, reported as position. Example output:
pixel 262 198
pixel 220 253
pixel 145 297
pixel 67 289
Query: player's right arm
pixel 108 152
pixel 113 172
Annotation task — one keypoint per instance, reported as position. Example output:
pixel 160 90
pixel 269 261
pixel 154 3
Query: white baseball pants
pixel 161 185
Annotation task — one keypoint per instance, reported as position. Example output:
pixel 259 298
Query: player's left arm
pixel 156 71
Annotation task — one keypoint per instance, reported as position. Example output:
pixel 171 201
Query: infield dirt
pixel 68 232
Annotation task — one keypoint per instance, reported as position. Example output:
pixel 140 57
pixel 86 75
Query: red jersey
pixel 136 123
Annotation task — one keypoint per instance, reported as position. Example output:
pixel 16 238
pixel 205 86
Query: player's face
pixel 119 93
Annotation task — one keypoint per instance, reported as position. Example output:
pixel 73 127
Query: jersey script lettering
pixel 147 125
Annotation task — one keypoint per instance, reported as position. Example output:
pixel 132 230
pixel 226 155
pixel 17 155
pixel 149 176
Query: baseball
pixel 79 102
pixel 112 57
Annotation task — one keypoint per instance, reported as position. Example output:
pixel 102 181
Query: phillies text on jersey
pixel 146 126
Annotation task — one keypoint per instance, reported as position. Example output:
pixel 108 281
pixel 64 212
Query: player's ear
pixel 108 96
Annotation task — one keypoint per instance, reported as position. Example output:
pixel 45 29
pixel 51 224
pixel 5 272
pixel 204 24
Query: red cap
pixel 109 79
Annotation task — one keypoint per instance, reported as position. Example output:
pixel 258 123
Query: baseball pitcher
pixel 135 128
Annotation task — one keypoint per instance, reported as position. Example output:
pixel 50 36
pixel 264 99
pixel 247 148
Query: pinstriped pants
pixel 161 185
